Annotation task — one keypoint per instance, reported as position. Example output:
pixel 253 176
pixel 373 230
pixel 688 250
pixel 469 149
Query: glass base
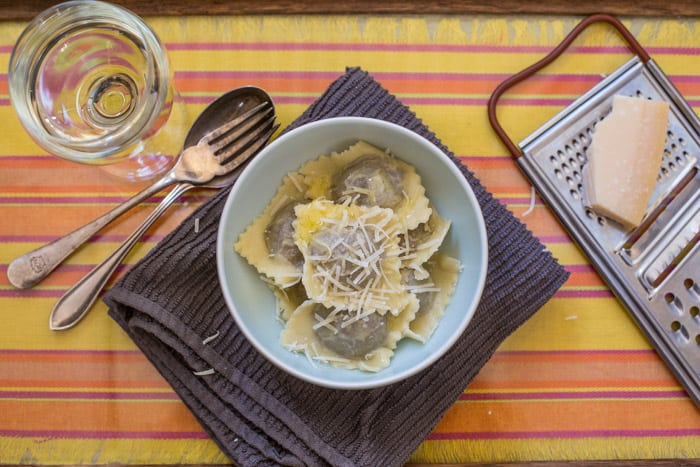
pixel 158 153
pixel 139 168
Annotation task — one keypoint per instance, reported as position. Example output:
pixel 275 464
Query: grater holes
pixel 693 288
pixel 674 302
pixel 568 164
pixel 593 216
pixel 695 313
pixel 680 332
pixel 674 156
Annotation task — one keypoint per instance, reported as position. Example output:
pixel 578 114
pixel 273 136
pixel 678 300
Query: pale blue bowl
pixel 251 302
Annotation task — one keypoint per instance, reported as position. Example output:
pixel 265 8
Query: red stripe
pixel 452 48
pixel 88 395
pixel 86 434
pixel 572 293
pixel 573 395
pixel 564 434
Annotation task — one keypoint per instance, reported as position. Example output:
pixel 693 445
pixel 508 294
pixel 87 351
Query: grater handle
pixel 549 58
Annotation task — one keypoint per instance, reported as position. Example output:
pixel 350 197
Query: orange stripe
pixel 566 415
pixel 87 415
pixel 585 370
pixel 588 279
pixel 45 221
pixel 60 370
pixel 156 382
pixel 575 357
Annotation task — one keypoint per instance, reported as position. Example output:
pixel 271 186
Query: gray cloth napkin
pixel 170 302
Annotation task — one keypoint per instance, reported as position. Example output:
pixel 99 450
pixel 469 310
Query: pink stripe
pixel 26 158
pixel 479 48
pixel 425 76
pixel 408 100
pixel 579 268
pixel 573 395
pixel 87 395
pixel 348 46
pixel 554 238
pixel 595 293
pixel 94 239
pixel 564 434
pixel 495 158
pixel 519 200
pixel 55 293
pixel 578 352
pixel 504 353
pixel 68 352
pixel 30 293
pixel 65 199
pixel 192 197
pixel 86 434
pixel 380 75
pixel 411 100
pixel 63 267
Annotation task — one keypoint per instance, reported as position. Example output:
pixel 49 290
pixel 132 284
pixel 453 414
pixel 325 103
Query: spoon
pixel 78 300
pixel 32 267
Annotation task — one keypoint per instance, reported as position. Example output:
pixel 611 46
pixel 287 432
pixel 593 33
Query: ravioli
pixel 433 294
pixel 350 246
pixel 288 299
pixel 281 267
pixel 342 339
pixel 351 256
pixel 422 242
pixel 368 176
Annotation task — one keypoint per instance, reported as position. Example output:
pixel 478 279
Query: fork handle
pixel 30 268
pixel 76 302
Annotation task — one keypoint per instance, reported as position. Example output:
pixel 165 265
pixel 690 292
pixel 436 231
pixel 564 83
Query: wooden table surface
pixel 11 10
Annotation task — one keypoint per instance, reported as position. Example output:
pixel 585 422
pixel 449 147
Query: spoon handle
pixel 32 267
pixel 76 302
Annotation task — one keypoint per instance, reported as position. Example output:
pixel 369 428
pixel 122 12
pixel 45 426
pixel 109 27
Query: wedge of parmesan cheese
pixel 624 159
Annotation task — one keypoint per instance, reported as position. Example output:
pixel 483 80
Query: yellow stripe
pixel 523 450
pixel 97 331
pixel 600 323
pixel 110 451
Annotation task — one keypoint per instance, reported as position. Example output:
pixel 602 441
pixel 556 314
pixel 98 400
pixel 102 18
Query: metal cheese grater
pixel 654 270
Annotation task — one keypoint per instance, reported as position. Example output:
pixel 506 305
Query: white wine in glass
pixel 91 83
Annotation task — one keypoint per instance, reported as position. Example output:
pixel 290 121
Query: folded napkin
pixel 170 304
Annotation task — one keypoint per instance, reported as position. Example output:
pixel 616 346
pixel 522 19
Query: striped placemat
pixel 577 381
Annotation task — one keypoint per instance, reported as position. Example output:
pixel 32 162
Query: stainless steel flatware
pixel 191 167
pixel 223 151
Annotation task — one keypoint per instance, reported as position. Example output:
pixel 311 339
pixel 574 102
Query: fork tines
pixel 230 138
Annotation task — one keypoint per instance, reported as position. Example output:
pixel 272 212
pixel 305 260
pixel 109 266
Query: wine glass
pixel 91 83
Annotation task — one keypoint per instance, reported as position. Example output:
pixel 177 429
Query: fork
pixel 232 145
pixel 217 153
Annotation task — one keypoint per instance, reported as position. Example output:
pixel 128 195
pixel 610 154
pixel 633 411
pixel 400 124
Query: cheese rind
pixel 624 159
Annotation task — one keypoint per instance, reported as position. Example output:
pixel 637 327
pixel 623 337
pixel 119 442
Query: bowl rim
pixel 467 311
